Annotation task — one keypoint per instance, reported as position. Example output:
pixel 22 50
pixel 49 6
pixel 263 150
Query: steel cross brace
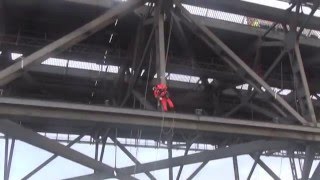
pixel 293 168
pixel 18 132
pixel 234 61
pixel 14 71
pixel 50 159
pixel 204 156
pixel 265 167
pixel 134 159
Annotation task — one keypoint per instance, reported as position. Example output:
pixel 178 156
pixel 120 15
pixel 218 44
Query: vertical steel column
pixel 160 45
pixel 8 157
pixel 303 86
pixel 254 165
pixel 293 168
pixel 310 153
pixel 236 168
pixel 170 157
pixel 6 147
pixel 188 145
pixel 104 141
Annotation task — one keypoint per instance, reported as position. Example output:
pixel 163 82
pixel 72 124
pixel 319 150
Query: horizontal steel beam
pixel 77 114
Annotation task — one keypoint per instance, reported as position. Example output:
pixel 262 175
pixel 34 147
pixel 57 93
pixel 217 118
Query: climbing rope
pixel 115 150
pixel 137 149
pixel 148 74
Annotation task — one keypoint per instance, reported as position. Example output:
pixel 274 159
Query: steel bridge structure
pixel 244 78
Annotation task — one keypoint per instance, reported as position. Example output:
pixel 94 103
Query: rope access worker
pixel 160 92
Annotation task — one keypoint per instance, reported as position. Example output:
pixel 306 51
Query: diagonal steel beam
pixel 202 165
pixel 18 132
pixel 233 150
pixel 188 145
pixel 42 165
pixel 236 61
pixel 316 173
pixel 254 165
pixel 125 150
pixel 265 167
pixel 302 85
pixel 235 167
pixel 14 71
pixel 133 79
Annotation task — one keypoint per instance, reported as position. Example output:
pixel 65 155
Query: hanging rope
pixel 146 89
pixel 115 150
pixel 137 149
pixel 169 38
pixel 280 168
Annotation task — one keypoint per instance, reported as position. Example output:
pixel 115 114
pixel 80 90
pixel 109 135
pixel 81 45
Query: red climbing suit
pixel 160 92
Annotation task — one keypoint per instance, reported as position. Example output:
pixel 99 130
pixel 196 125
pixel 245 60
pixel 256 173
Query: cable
pixel 146 89
pixel 169 38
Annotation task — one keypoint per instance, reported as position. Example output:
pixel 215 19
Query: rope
pixel 146 89
pixel 115 151
pixel 137 149
pixel 280 168
pixel 169 38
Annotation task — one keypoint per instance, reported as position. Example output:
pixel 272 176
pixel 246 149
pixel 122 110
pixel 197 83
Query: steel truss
pixel 22 118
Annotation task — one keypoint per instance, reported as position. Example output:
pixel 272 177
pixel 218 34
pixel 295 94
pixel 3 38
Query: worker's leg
pixel 170 103
pixel 164 104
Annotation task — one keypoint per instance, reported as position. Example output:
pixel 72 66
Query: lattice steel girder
pixel 14 71
pixel 237 63
pixel 16 131
pixel 265 167
pixel 77 114
pixel 133 159
pixel 220 153
pixel 255 10
pixel 233 6
pixel 42 165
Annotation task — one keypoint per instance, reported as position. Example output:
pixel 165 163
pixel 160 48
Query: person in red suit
pixel 160 92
